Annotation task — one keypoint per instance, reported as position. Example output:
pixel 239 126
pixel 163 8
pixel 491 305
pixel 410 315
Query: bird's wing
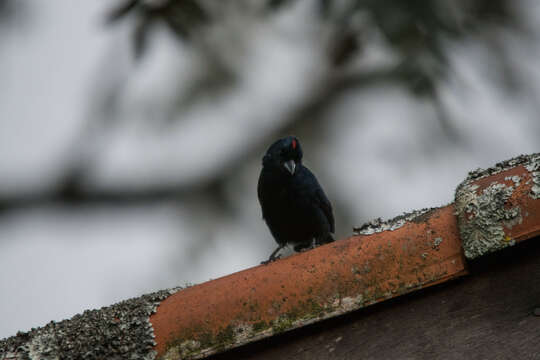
pixel 326 207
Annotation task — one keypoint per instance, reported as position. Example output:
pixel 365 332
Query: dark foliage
pixel 180 16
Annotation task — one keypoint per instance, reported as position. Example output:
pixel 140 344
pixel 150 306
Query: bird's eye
pixel 294 144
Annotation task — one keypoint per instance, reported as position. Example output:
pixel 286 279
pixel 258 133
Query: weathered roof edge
pixel 495 208
pixel 498 206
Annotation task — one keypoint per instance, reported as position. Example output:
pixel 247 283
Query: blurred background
pixel 131 131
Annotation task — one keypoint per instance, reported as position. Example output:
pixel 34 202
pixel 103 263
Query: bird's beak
pixel 290 166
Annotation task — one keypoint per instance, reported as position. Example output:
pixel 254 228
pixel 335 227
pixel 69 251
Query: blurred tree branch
pixel 415 30
pixel 72 192
pixel 180 16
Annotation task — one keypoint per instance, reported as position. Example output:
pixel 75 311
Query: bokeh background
pixel 131 131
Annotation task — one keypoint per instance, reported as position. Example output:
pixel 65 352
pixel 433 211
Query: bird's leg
pixel 273 256
pixel 324 239
pixel 303 247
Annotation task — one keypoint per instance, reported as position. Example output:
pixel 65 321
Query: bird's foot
pixel 314 243
pixel 303 247
pixel 311 247
pixel 271 259
pixel 274 256
pixel 328 238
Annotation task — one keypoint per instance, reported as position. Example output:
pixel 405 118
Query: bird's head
pixel 285 154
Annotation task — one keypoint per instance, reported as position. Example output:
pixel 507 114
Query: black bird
pixel 293 203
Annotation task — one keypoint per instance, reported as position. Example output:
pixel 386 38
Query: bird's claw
pixel 271 259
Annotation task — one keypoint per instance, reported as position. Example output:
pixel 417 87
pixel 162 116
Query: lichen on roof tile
pixel 379 225
pixel 481 218
pixel 525 160
pixel 119 331
pixel 482 215
pixel 534 167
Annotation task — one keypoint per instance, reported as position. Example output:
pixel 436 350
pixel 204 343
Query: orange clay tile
pixel 328 281
pixel 495 208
